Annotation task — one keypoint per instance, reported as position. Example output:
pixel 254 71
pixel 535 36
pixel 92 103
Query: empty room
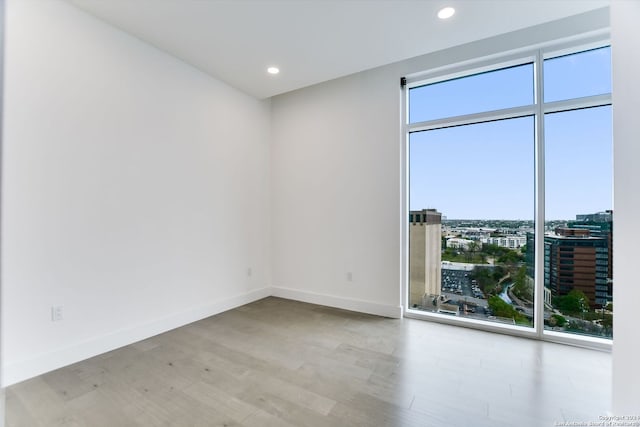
pixel 319 213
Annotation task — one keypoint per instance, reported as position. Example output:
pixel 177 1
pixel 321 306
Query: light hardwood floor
pixel 283 363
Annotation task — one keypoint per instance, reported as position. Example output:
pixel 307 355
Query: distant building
pixel 547 297
pixel 600 225
pixel 510 242
pixel 598 217
pixel 572 261
pixel 458 243
pixel 475 233
pixel 425 255
pixel 578 256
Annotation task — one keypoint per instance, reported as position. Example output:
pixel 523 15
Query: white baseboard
pixel 392 311
pixel 25 369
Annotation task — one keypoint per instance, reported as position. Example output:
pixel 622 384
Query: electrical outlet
pixel 56 313
pixel 349 276
pixel 249 272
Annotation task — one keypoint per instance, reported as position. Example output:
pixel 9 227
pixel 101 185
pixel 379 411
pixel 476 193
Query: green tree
pixel 557 320
pixel 485 278
pixel 503 309
pixel 511 257
pixel 575 302
pixel 522 287
pixel 474 246
pixel 493 250
pixel 499 272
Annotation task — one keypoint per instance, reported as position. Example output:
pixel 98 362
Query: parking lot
pixel 458 282
pixel 460 289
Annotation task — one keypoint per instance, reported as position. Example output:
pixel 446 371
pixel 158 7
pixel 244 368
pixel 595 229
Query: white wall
pixel 335 164
pixel 135 190
pixel 625 16
pixel 337 176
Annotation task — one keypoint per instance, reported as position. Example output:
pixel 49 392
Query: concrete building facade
pixel 425 255
pixel 578 256
pixel 573 259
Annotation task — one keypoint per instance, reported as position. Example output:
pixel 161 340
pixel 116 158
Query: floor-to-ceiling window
pixel 510 193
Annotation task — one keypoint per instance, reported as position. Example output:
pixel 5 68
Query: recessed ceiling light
pixel 273 70
pixel 446 12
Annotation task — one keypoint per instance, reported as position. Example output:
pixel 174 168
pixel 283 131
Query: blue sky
pixel 486 171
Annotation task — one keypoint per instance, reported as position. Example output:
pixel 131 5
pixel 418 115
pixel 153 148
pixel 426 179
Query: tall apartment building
pixel 579 256
pixel 425 255
pixel 600 225
pixel 572 261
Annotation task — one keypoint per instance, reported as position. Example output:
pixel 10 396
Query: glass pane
pixel 580 74
pixel 471 191
pixel 504 88
pixel 579 222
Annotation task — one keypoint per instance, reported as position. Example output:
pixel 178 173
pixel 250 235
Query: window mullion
pixel 469 119
pixel 539 196
pixel 577 103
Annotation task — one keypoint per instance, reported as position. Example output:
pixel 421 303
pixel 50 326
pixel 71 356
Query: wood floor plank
pixel 19 415
pixel 283 363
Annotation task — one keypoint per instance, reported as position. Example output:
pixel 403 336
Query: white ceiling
pixel 315 40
